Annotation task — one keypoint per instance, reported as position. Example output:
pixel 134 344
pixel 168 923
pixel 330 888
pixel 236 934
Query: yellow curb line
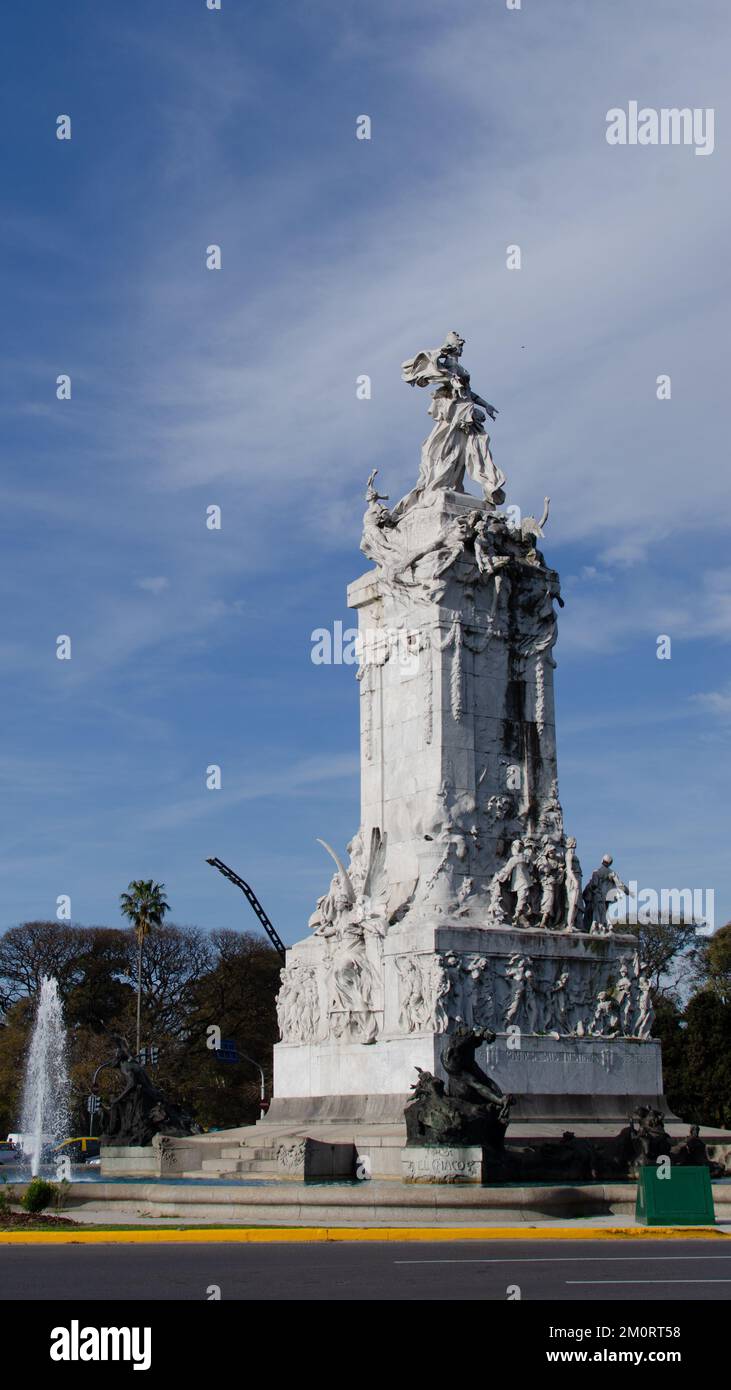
pixel 293 1234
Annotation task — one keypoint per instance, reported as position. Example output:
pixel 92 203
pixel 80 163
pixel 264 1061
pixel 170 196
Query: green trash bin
pixel 683 1198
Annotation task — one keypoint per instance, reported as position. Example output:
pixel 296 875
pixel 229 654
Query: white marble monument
pixel 460 896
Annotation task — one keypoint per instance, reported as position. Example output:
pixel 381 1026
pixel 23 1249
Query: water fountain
pixel 45 1115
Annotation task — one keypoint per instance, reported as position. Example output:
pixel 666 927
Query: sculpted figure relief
pixel 549 995
pixel 298 1004
pixel 287 1001
pixel 518 876
pixel 424 993
pixel 411 994
pixel 354 982
pixel 488 558
pixel 556 1018
pixel 403 566
pixel 605 1023
pixel 352 919
pixel 551 874
pixel 522 1009
pixel 645 1011
pixel 574 903
pixel 624 994
pixel 437 993
pixel 604 887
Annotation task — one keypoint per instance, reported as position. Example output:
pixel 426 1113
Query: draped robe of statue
pixel 458 443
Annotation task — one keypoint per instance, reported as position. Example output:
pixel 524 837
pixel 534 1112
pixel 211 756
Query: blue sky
pixel 237 388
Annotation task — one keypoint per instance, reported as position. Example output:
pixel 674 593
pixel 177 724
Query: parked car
pixel 78 1150
pixel 8 1152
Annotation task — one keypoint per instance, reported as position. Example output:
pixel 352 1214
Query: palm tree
pixel 145 906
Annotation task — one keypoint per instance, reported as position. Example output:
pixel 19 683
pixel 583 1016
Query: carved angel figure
pixel 353 921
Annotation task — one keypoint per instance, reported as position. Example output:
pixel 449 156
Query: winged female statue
pixel 352 918
pixel 458 443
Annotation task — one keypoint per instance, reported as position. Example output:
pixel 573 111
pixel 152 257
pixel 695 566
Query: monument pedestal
pixel 558 1082
pixel 442 1163
pixel 537 990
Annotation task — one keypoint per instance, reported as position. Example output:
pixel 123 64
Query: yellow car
pixel 78 1150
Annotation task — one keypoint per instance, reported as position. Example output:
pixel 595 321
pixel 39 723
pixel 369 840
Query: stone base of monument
pixel 164 1157
pixel 557 1080
pixel 127 1160
pixel 550 1057
pixel 272 1154
pixel 305 1158
pixel 442 1163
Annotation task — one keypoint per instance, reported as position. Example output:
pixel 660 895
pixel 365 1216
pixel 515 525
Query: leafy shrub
pixel 38 1195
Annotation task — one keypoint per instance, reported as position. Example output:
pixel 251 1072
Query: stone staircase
pixel 254 1152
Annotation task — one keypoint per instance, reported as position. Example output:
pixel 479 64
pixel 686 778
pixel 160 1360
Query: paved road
pixel 567 1270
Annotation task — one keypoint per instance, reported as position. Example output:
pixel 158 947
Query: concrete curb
pixel 313 1234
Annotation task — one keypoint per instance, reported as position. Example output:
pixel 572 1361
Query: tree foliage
pixel 191 980
pixel 712 963
pixel 664 947
pixel 145 905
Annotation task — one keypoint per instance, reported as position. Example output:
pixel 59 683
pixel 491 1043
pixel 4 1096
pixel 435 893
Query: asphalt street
pixel 572 1271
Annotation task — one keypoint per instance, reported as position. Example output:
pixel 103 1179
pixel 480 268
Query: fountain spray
pixel 46 1090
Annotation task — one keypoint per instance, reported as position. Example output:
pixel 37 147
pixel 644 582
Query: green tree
pixel 34 949
pixel 237 995
pixel 712 962
pixel 665 947
pixel 102 983
pixel 145 906
pixel 696 1058
pixel 14 1035
pixel 708 1059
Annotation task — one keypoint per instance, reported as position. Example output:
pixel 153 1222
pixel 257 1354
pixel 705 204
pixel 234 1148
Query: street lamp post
pixel 262 1088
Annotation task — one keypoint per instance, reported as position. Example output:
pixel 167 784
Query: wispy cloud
pixel 272 783
pixel 717 702
pixel 237 387
pixel 155 584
